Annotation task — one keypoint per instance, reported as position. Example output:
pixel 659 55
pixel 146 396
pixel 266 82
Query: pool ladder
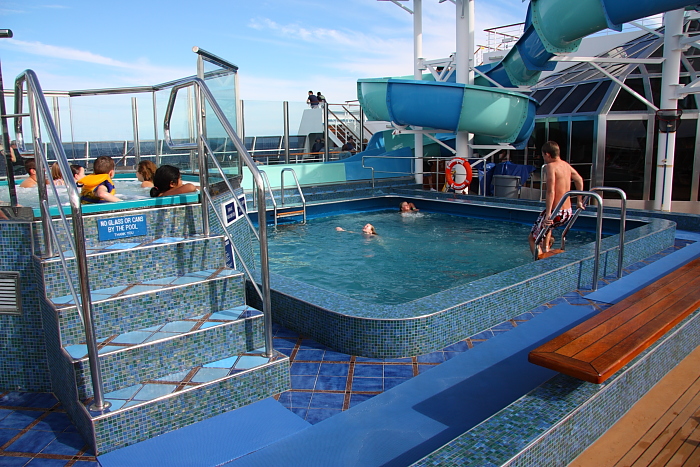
pixel 593 193
pixel 282 210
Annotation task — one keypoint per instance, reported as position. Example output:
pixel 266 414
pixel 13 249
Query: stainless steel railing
pixel 599 228
pixel 203 95
pixel 39 112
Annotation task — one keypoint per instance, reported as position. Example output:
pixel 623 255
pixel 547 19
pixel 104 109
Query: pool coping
pixel 429 323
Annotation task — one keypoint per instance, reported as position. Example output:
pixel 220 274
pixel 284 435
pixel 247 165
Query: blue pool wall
pixel 557 421
pixel 430 323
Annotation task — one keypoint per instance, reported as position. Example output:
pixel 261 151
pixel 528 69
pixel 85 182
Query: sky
pixel 283 48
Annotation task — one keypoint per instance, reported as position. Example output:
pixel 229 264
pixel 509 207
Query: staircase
pixel 177 343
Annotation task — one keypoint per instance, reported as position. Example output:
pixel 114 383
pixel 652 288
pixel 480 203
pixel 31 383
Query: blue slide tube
pixel 552 27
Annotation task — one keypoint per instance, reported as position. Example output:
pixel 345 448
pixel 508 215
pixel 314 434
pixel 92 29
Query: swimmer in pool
pixel 368 229
pixel 405 206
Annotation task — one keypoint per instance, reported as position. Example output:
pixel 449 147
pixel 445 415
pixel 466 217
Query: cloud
pixel 140 66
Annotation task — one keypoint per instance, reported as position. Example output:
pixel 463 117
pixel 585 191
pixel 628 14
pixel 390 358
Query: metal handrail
pixel 38 108
pixel 203 94
pixel 263 206
pixel 599 228
pixel 623 222
pixel 301 193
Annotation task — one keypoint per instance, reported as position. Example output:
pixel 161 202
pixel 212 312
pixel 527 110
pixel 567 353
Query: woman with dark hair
pixel 167 181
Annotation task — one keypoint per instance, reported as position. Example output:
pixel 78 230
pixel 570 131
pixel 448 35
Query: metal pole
pixel 137 140
pixel 673 31
pixel 463 58
pixel 285 112
pixel 155 129
pixel 417 74
pixel 362 129
pixel 325 133
pixel 202 159
pixel 6 146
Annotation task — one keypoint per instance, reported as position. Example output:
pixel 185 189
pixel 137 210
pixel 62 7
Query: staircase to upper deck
pixel 177 343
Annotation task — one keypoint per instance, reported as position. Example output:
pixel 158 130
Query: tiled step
pixel 153 407
pixel 154 352
pixel 118 310
pixel 128 263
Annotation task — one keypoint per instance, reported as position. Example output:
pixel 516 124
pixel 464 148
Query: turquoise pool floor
pixel 34 429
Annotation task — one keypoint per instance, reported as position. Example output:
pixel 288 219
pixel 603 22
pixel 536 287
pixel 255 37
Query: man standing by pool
pixel 559 177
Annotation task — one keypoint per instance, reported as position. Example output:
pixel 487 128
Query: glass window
pixel 687 103
pixel 593 102
pixel 553 100
pixel 659 52
pixel 582 145
pixel 575 98
pixel 625 101
pixel 559 132
pixel 625 150
pixel 540 94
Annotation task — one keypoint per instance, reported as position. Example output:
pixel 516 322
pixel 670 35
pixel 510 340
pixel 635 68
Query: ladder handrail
pixel 623 222
pixel 301 193
pixel 263 206
pixel 203 94
pixel 599 228
pixel 39 111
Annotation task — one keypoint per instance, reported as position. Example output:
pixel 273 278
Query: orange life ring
pixel 448 173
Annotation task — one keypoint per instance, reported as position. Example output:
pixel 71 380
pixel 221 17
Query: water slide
pixel 495 115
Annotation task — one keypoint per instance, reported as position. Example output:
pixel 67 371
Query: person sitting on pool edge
pixel 98 187
pixel 368 229
pixel 405 206
pixel 30 167
pixel 167 181
pixel 145 172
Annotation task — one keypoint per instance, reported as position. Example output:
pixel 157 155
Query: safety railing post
pixel 623 223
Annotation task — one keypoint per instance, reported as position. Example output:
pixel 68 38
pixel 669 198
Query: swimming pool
pixel 414 255
pixel 435 321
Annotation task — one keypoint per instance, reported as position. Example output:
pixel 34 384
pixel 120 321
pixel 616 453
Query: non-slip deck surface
pixel 662 429
pixel 594 350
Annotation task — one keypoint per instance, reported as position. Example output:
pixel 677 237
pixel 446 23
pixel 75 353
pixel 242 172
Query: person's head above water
pixel 405 206
pixel 369 229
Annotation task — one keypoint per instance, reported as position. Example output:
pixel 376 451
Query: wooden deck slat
pixel 597 348
pixel 656 415
pixel 666 444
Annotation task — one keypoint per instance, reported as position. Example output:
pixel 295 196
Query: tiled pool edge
pixel 557 421
pixel 433 322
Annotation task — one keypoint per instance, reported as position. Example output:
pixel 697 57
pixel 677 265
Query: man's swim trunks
pixel 560 219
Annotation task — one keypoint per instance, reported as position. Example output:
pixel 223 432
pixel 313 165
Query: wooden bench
pixel 597 348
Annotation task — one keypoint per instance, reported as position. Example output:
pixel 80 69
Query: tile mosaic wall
pixel 190 406
pixel 132 265
pixel 126 368
pixel 23 365
pixel 171 221
pixel 141 311
pixel 558 420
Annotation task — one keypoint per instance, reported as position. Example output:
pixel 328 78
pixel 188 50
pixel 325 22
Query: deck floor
pixel 661 429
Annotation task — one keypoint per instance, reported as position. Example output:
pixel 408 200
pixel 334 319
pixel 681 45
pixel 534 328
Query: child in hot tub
pixel 98 187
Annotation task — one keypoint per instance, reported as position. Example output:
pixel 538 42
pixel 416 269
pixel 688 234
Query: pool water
pixel 414 255
pixel 127 190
